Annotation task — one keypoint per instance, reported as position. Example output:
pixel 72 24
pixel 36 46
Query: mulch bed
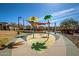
pixel 74 39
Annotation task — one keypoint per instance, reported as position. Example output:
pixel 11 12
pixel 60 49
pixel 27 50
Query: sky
pixel 9 12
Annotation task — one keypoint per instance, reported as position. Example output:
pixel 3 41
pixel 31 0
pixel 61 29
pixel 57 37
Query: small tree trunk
pixel 48 28
pixel 48 31
pixel 33 31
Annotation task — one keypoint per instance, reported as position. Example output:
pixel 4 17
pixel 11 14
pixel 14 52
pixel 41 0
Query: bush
pixel 38 46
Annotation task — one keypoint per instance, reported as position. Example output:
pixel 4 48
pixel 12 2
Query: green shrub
pixel 38 46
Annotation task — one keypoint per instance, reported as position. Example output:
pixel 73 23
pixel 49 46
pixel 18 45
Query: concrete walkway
pixel 71 49
pixel 61 47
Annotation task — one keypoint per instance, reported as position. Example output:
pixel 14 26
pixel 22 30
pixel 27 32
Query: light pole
pixel 23 23
pixel 55 27
pixel 19 24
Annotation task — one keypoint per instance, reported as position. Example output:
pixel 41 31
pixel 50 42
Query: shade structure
pixel 38 23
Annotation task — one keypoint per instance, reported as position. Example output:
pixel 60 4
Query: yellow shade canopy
pixel 33 18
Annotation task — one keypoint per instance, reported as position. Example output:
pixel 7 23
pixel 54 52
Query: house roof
pixel 3 23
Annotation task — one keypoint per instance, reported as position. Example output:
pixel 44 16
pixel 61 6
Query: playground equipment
pixel 36 24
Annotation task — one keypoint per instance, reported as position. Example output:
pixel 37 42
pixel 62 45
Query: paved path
pixel 61 47
pixel 71 49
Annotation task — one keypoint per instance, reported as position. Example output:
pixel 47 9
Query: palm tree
pixel 33 19
pixel 48 17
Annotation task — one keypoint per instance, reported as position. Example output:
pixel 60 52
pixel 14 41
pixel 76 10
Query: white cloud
pixel 66 16
pixel 63 12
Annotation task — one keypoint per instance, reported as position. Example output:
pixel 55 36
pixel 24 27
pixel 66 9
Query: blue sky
pixel 10 12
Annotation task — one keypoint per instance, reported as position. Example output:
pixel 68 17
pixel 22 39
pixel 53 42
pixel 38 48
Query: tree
pixel 33 19
pixel 48 17
pixel 69 25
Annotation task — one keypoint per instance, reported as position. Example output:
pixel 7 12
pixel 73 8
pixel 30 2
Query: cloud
pixel 66 16
pixel 63 12
pixel 60 15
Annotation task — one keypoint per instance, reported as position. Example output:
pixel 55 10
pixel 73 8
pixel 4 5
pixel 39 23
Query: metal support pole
pixel 55 27
pixel 23 24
